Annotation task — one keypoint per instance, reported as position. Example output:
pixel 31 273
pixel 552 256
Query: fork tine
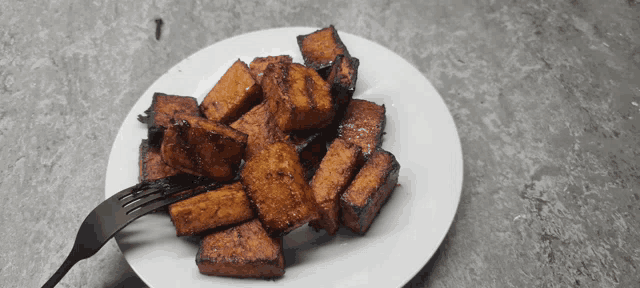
pixel 169 196
pixel 139 195
pixel 159 202
pixel 146 200
pixel 178 182
pixel 126 192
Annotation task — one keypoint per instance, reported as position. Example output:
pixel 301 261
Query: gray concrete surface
pixel 545 95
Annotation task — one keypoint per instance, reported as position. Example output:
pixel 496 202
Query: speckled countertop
pixel 545 95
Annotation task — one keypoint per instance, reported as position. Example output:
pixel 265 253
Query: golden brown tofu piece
pixel 320 48
pixel 334 175
pixel 370 189
pixel 259 125
pixel 363 125
pixel 259 64
pixel 202 147
pixel 297 97
pixel 163 108
pixel 244 251
pixel 234 94
pixel 343 78
pixel 274 181
pixel 224 206
pixel 151 165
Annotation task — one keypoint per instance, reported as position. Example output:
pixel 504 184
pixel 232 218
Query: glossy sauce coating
pixel 334 175
pixel 241 251
pixel 297 97
pixel 224 206
pixel 202 147
pixel 234 94
pixel 274 181
pixel 370 189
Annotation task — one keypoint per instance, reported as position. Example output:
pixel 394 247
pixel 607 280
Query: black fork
pixel 122 208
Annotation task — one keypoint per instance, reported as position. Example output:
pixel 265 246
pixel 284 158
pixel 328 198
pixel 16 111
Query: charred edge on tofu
pixel 367 151
pixel 341 93
pixel 155 135
pixel 383 124
pixel 144 150
pixel 275 263
pixel 259 263
pixel 150 113
pixel 338 89
pixel 391 178
pixel 221 227
pixel 257 69
pixel 155 132
pixel 182 127
pixel 322 68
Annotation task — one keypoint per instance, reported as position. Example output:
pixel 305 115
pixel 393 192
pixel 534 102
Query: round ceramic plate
pixel 420 132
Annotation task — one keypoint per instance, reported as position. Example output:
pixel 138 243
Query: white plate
pixel 420 132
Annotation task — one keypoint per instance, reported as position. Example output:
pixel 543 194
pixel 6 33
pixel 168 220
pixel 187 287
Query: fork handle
pixel 64 268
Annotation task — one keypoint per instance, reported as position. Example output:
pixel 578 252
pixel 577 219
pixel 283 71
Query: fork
pixel 122 208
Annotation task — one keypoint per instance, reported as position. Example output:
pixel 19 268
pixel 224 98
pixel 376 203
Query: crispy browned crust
pixel 151 165
pixel 369 190
pixel 259 125
pixel 274 181
pixel 297 97
pixel 226 205
pixel 163 108
pixel 332 178
pixel 259 64
pixel 343 78
pixel 234 94
pixel 202 147
pixel 244 251
pixel 363 125
pixel 320 48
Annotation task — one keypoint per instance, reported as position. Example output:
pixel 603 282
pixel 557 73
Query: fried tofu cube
pixel 163 108
pixel 298 98
pixel 370 189
pixel 320 48
pixel 202 147
pixel 235 93
pixel 274 181
pixel 259 125
pixel 151 165
pixel 343 78
pixel 259 64
pixel 335 173
pixel 363 125
pixel 224 206
pixel 243 251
